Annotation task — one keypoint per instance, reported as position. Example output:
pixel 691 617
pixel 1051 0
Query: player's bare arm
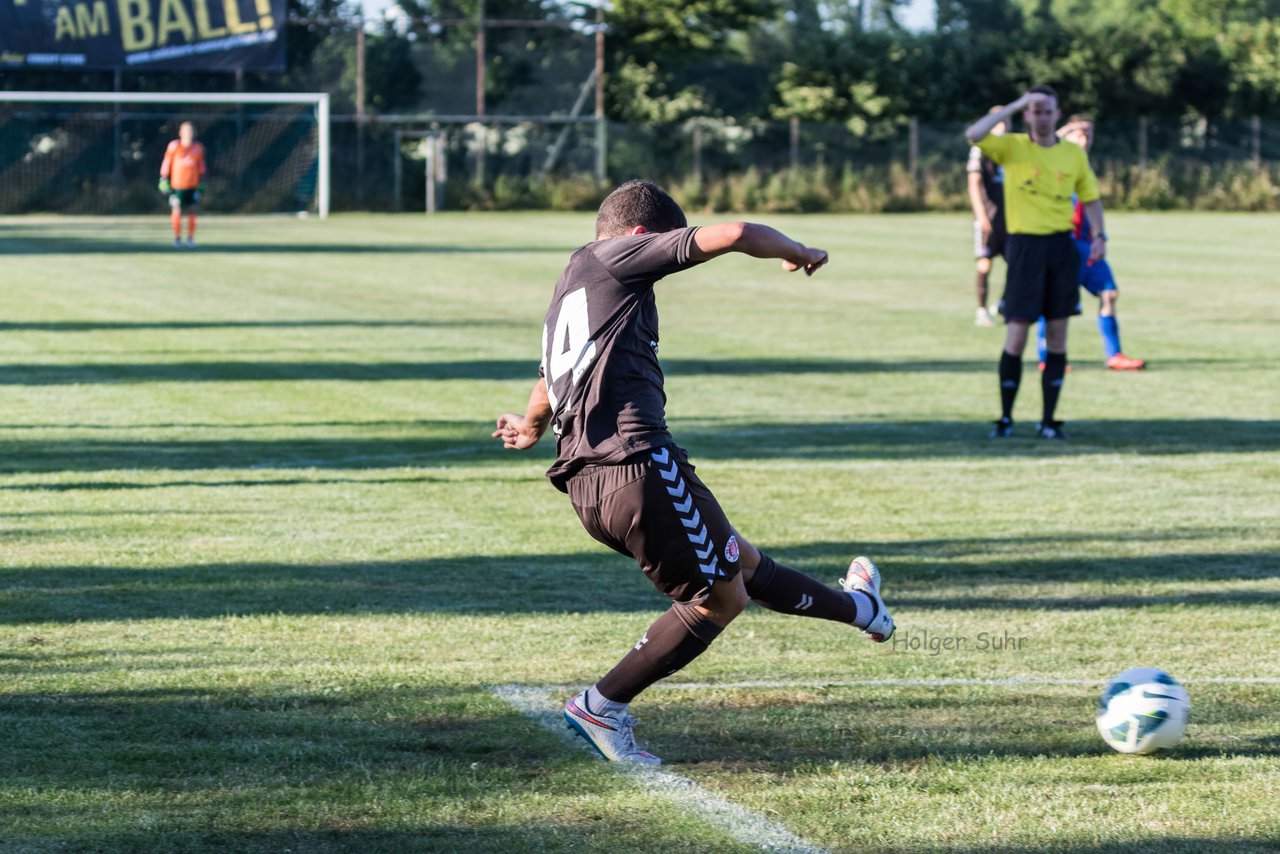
pixel 520 432
pixel 1093 210
pixel 979 130
pixel 758 241
pixel 978 201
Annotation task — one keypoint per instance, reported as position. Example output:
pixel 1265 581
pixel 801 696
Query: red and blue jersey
pixel 1079 222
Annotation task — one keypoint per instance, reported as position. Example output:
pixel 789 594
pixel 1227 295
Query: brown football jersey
pixel 600 350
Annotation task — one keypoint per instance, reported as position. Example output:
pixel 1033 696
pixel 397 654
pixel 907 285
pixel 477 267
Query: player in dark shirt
pixel 600 389
pixel 986 197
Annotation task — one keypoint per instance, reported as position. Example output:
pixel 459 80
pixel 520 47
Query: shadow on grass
pixel 342 770
pixel 562 583
pixel 31 244
pixel 482 369
pixel 467 443
pixel 452 442
pixel 108 373
pixel 187 325
pixel 905 440
pixel 113 485
pixel 911 726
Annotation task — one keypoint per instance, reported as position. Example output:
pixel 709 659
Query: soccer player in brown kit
pixel 1043 279
pixel 600 388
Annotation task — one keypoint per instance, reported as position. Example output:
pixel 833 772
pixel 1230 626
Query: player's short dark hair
pixel 1044 89
pixel 638 203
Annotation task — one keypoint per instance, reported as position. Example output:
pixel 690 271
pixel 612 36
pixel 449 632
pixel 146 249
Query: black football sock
pixel 1010 379
pixel 676 638
pixel 1055 372
pixel 781 588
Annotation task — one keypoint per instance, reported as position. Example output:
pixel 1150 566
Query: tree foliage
pixel 846 61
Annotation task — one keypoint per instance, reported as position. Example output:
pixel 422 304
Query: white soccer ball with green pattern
pixel 1143 710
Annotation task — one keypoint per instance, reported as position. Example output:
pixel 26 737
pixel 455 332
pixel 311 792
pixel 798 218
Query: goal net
pixel 100 153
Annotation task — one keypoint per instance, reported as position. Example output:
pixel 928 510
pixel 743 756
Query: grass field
pixel 266 585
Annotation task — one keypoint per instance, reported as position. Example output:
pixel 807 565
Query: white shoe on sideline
pixel 611 735
pixel 863 577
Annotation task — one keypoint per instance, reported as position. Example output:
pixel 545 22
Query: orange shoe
pixel 1121 362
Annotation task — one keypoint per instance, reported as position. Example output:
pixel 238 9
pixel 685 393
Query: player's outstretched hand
pixel 1097 250
pixel 511 430
pixel 1032 99
pixel 809 260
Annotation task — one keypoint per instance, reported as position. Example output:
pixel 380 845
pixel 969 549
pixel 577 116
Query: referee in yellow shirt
pixel 1041 172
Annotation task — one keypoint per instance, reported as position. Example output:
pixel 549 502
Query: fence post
pixel 442 166
pixel 117 134
pixel 1142 143
pixel 397 174
pixel 913 155
pixel 432 153
pixel 795 143
pixel 1256 142
pixel 697 154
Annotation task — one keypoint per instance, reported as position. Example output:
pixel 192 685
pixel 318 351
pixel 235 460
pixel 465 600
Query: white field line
pixel 1011 682
pixel 543 706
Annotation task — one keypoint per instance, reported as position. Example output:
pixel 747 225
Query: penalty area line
pixel 1011 682
pixel 750 828
pixel 942 682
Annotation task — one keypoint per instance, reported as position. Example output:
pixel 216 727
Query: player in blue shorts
pixel 1096 278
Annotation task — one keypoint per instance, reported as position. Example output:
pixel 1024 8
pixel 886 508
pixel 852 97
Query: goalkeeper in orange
pixel 182 180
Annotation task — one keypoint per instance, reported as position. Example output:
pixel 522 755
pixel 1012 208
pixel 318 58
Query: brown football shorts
pixel 654 508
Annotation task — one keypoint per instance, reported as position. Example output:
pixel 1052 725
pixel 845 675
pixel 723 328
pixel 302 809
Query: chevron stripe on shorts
pixel 704 547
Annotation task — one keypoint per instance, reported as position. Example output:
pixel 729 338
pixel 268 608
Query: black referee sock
pixel 676 638
pixel 1055 372
pixel 783 589
pixel 1010 379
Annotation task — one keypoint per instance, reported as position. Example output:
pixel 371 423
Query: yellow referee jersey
pixel 1039 182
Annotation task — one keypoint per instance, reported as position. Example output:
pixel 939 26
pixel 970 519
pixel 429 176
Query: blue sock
pixel 1041 344
pixel 1110 329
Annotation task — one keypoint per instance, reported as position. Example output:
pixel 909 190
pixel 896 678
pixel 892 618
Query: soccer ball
pixel 1143 710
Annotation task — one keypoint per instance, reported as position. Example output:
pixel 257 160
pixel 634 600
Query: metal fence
pixel 380 163
pixel 910 165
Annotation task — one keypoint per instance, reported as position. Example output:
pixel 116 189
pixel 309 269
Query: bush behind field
pixel 1164 185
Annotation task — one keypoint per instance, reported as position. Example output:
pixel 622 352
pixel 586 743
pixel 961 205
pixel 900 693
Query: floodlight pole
pixel 482 139
pixel 602 129
pixel 360 114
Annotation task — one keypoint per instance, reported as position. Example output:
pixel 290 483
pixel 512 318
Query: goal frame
pixel 319 101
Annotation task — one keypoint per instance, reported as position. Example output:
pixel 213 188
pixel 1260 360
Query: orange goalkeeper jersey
pixel 183 165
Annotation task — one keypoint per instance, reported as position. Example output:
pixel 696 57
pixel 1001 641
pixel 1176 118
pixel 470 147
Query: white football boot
pixel 611 735
pixel 863 577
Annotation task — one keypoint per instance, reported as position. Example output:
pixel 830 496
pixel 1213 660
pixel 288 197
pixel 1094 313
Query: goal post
pixel 19 157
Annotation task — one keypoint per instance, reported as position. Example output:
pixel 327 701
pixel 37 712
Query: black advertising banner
pixel 143 34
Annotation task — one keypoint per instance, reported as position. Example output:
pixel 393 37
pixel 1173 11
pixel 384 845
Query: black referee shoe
pixel 1050 430
pixel 1002 430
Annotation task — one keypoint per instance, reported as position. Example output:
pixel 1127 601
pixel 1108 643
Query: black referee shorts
pixel 1043 279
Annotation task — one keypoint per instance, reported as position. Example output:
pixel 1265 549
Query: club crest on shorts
pixel 731 550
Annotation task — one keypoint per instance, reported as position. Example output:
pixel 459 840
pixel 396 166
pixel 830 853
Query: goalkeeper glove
pixel 164 186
